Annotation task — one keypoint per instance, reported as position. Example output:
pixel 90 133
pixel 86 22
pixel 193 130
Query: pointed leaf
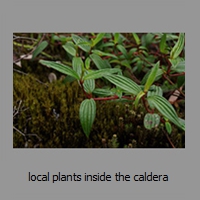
pixel 82 43
pixel 168 127
pixel 126 64
pixel 154 90
pixel 89 85
pixel 101 53
pixel 178 65
pixel 87 63
pixel 123 50
pixel 124 83
pixel 98 38
pixel 100 73
pixel 99 62
pixel 116 37
pixel 138 97
pixel 158 76
pixel 137 39
pixel 87 113
pixel 151 77
pixel 166 109
pixel 182 123
pixel 163 44
pixel 103 92
pixel 178 46
pixel 69 48
pixel 40 48
pixel 61 68
pixel 77 65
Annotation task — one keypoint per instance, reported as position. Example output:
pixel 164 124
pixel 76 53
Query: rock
pixel 52 77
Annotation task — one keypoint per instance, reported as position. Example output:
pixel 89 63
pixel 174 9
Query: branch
pixel 19 59
pixel 18 131
pixel 169 139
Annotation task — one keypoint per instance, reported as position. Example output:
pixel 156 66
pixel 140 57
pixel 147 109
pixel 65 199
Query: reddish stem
pixel 145 105
pixel 179 74
pixel 169 140
pixel 111 98
pixel 105 98
pixel 169 67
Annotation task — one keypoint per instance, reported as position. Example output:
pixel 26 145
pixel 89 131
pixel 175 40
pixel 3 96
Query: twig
pixel 17 109
pixel 29 134
pixel 19 59
pixel 19 131
pixel 27 74
pixel 169 140
pixel 133 77
pixel 25 38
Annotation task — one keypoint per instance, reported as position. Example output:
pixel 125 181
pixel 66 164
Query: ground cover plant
pixel 115 90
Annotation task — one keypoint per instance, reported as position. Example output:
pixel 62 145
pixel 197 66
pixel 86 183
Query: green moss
pixel 51 112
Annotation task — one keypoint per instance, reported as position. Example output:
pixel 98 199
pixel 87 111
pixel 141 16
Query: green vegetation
pixel 113 90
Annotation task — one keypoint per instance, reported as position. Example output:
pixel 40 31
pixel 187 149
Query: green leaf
pixel 147 39
pixel 178 65
pixel 168 127
pixel 123 63
pixel 151 77
pixel 138 97
pixel 166 109
pixel 124 83
pixel 100 63
pixel 87 113
pixel 143 48
pixel 151 121
pixel 87 63
pixel 103 92
pixel 78 65
pixel 68 79
pixel 154 90
pixel 101 53
pixel 158 76
pixel 182 123
pixel 63 39
pixel 180 81
pixel 100 73
pixel 116 37
pixel 123 50
pixel 61 68
pixel 117 91
pixel 163 44
pixel 137 39
pixel 107 44
pixel 126 64
pixel 98 39
pixel 82 43
pixel 177 49
pixel 40 48
pixel 89 85
pixel 69 48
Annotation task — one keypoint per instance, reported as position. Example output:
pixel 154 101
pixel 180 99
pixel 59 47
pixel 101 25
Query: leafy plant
pixel 110 62
pixel 139 68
